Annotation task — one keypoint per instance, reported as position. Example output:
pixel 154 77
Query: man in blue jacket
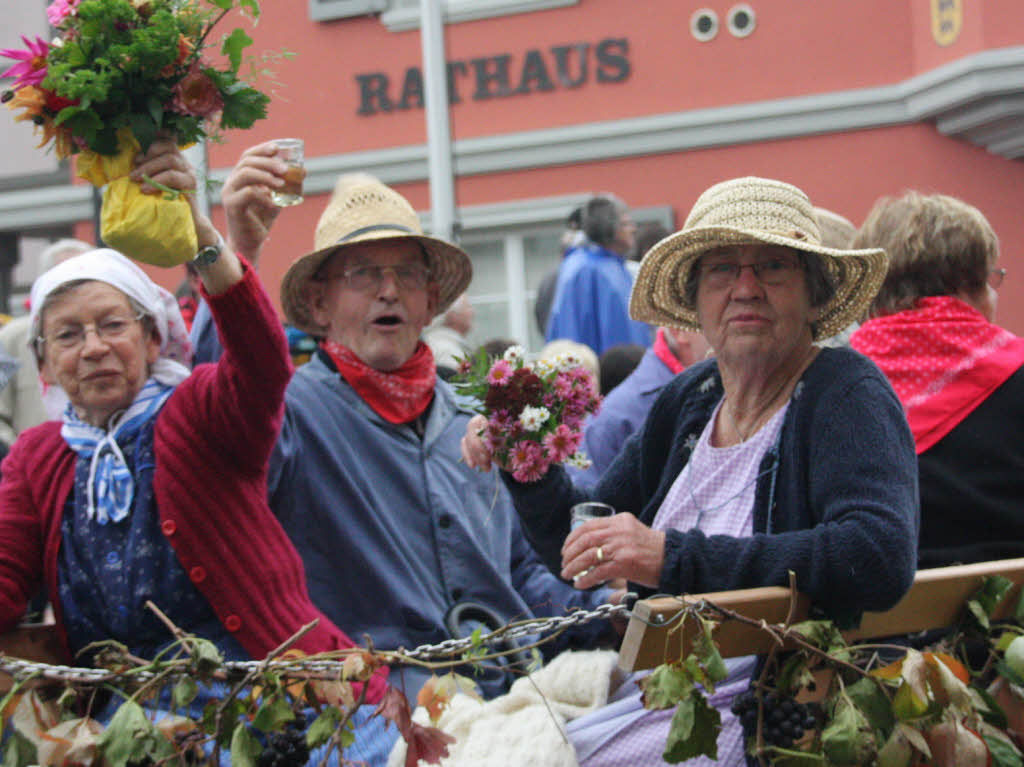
pixel 591 304
pixel 398 536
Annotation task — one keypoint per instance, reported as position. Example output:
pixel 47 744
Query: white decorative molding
pixel 976 98
pixel 405 14
pixel 326 10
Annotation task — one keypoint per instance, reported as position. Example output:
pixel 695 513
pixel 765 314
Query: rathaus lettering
pixel 496 77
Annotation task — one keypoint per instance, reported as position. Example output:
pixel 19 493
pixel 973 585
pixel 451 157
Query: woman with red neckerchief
pixel 959 376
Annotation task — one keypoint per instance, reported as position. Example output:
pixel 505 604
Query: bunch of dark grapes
pixel 285 749
pixel 785 720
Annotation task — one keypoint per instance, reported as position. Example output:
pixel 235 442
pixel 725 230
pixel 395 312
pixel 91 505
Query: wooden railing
pixel 935 600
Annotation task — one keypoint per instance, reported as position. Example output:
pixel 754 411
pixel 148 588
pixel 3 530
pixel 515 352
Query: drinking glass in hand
pixel 584 512
pixel 291 151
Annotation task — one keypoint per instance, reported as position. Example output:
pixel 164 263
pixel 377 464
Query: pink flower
pixel 59 10
pixel 562 443
pixel 527 461
pixel 196 94
pixel 31 69
pixel 563 385
pixel 500 373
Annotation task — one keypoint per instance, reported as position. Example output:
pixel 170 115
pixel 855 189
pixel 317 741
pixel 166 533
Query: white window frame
pixel 511 223
pixel 400 15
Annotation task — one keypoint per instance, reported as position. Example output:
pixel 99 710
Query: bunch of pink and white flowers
pixel 535 412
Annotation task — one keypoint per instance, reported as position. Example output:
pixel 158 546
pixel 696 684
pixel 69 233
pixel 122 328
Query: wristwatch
pixel 207 255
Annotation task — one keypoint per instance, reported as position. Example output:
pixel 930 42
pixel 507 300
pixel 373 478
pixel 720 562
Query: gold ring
pixel 600 554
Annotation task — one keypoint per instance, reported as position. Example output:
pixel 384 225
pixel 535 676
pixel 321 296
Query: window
pixel 510 260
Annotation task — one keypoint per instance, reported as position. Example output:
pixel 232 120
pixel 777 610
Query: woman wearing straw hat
pixel 775 456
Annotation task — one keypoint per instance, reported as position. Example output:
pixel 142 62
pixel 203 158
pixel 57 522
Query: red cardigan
pixel 212 440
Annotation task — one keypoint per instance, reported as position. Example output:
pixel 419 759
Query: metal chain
pixel 446 649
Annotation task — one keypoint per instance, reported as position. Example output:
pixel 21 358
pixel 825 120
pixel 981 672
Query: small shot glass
pixel 291 150
pixel 584 512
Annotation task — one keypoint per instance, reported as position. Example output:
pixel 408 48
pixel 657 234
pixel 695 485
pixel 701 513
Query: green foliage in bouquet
pixel 135 64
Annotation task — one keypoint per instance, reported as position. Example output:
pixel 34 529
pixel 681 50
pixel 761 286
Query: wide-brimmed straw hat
pixel 362 209
pixel 745 211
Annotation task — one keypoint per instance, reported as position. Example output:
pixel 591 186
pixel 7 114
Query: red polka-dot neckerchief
pixel 663 353
pixel 943 359
pixel 397 396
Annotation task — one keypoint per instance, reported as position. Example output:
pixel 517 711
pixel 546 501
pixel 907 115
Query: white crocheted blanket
pixel 526 725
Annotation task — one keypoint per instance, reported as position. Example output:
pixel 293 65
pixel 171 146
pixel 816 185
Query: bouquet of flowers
pixel 120 73
pixel 534 412
pixel 135 64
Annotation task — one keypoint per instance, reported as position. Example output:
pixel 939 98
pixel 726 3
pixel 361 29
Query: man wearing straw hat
pixel 398 536
pixel 775 459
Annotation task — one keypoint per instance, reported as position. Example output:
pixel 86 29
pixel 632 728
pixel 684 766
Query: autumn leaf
pixel 435 696
pixel 395 708
pixel 953 745
pixel 333 693
pixel 427 744
pixel 423 743
pixel 71 742
pixel 34 716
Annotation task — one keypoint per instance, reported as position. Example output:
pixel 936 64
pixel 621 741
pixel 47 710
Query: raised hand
pixel 247 201
pixel 164 163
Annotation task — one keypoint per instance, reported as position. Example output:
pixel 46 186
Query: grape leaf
pixel 18 751
pixel 245 749
pixel 694 730
pixel 184 692
pixel 274 714
pixel 323 727
pixel 131 737
pixel 848 739
pixel 707 653
pixel 866 695
pixel 666 686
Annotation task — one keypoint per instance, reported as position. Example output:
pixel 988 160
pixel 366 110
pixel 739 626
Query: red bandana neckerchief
pixel 663 353
pixel 943 359
pixel 397 396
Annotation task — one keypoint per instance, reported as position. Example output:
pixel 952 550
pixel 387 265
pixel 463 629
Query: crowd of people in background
pixel 783 393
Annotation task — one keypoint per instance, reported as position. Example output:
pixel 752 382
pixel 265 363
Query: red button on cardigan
pixel 169 527
pixel 232 623
pixel 197 574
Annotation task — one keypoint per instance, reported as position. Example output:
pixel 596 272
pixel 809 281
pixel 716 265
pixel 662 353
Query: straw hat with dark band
pixel 363 209
pixel 744 211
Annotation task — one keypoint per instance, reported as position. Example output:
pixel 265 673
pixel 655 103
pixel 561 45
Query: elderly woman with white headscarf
pixel 153 486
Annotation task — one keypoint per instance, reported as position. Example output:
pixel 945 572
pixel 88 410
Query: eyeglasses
pixel 995 276
pixel 69 337
pixel 368 278
pixel 771 271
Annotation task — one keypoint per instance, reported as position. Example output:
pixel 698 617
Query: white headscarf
pixel 109 266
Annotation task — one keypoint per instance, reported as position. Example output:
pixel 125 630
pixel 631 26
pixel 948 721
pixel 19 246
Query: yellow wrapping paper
pixel 145 227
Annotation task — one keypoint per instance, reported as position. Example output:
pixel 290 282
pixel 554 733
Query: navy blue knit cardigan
pixel 837 501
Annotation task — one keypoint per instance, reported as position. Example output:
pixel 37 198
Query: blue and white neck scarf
pixel 110 488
